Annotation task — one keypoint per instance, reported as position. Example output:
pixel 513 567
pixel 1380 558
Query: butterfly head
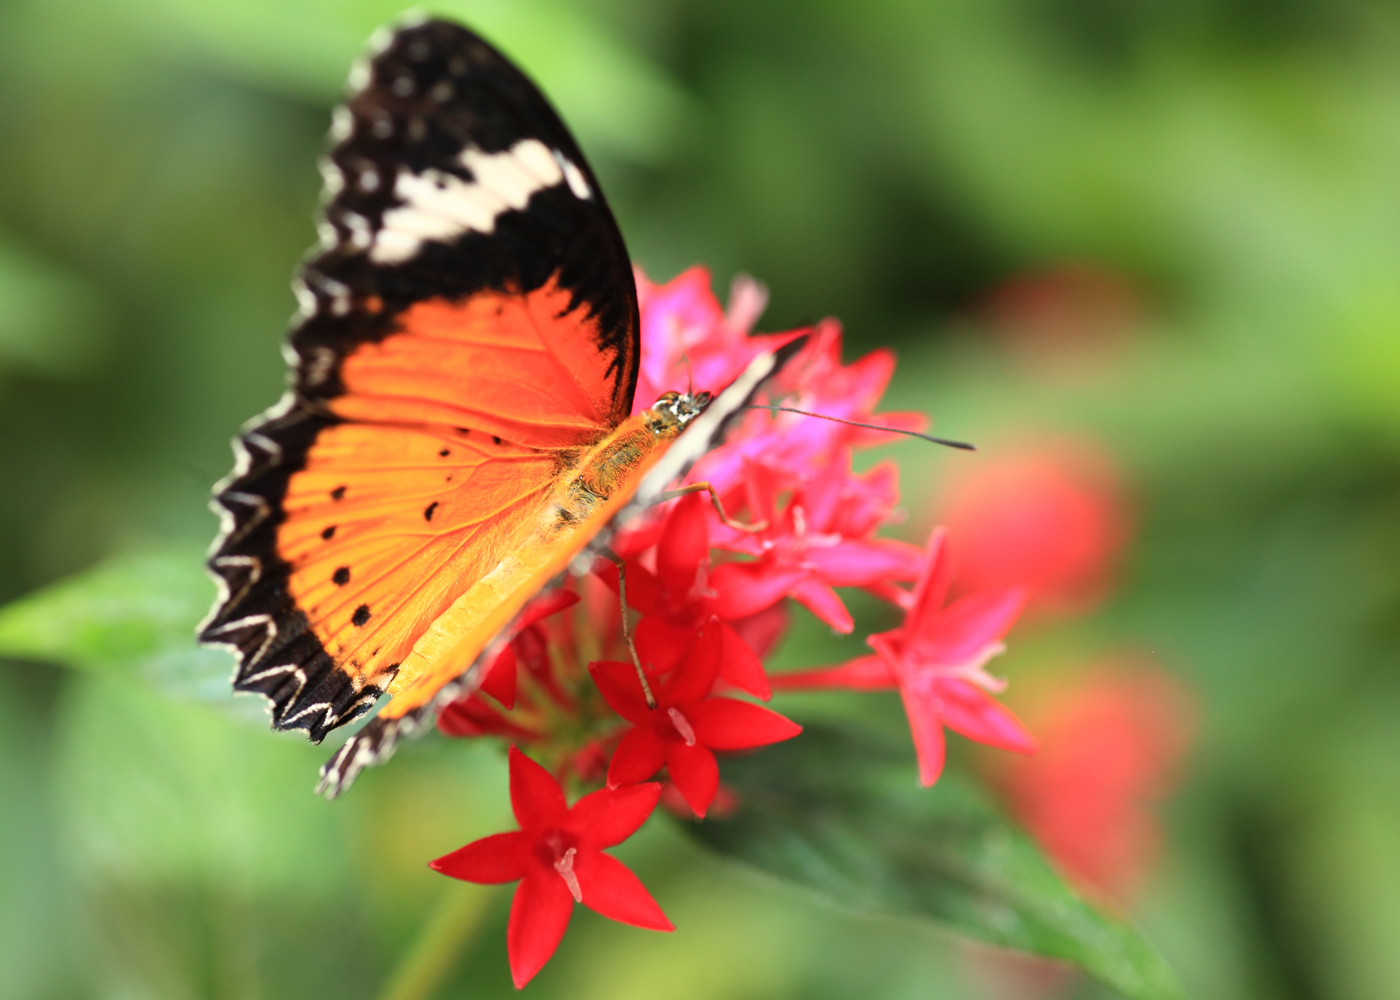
pixel 680 408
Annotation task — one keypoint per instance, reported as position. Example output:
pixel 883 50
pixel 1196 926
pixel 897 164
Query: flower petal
pixel 822 601
pixel 694 772
pixel 966 627
pixel 638 756
pixel 927 730
pixel 551 602
pixel 535 796
pixel 610 815
pixel 743 589
pixel 499 681
pixel 610 888
pixel 864 673
pixel 761 493
pixel 730 724
pixel 662 644
pixel 618 684
pixel 859 563
pixel 643 590
pixel 739 665
pixel 697 674
pixel 684 546
pixel 931 590
pixel 501 857
pixel 974 713
pixel 539 915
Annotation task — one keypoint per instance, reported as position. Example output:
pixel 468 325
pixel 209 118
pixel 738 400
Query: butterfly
pixel 459 427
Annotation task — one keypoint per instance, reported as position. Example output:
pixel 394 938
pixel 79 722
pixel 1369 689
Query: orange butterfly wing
pixel 459 350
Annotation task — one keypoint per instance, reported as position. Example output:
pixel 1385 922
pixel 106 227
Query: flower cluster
pixel 709 597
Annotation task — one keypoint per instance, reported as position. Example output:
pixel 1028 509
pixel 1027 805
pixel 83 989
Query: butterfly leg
pixel 719 507
pixel 616 560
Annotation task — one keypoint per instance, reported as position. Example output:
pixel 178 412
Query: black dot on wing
pixel 361 614
pixel 341 576
pixel 428 511
pixel 495 439
pixel 445 452
pixel 328 533
pixel 338 493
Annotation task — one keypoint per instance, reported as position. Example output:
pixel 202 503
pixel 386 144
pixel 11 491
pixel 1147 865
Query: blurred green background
pixel 1231 167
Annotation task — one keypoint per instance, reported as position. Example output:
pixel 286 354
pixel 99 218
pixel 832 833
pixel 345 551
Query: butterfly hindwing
pixel 467 327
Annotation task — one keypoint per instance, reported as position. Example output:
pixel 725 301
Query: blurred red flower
pixel 1052 521
pixel 557 856
pixel 1110 744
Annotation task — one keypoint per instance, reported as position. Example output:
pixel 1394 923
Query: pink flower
pixel 937 660
pixel 689 342
pixel 687 725
pixel 1052 522
pixel 557 856
pixel 1109 744
pixel 822 538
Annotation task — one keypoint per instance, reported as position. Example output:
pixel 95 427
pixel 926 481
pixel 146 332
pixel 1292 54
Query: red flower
pixel 1108 746
pixel 1052 522
pixel 557 855
pixel 687 726
pixel 678 600
pixel 527 644
pixel 937 660
pixel 821 539
pixel 473 715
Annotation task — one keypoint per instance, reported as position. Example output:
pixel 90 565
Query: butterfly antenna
pixel 689 374
pixel 962 445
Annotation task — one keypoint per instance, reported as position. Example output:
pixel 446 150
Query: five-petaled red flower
pixel 937 660
pixel 678 600
pixel 557 855
pixel 687 725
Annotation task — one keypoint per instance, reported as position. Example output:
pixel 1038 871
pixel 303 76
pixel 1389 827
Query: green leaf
pixel 844 814
pixel 132 616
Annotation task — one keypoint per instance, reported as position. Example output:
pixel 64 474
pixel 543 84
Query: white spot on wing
pixel 342 123
pixel 439 206
pixel 359 76
pixel 332 178
pixel 578 184
pixel 360 237
pixel 306 300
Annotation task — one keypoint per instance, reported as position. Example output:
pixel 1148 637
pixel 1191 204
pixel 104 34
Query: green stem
pixel 445 935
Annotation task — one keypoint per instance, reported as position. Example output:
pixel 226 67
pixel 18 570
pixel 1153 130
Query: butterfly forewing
pixel 467 327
